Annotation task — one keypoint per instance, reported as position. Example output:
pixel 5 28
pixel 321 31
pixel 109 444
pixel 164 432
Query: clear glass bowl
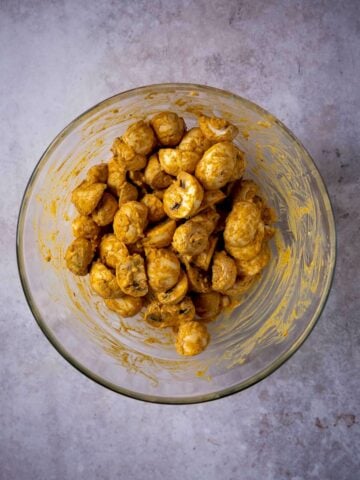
pixel 135 359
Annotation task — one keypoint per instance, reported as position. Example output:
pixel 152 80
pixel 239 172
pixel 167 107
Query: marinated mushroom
pixel 154 175
pixel 207 305
pixel 244 190
pixel 170 315
pixel 241 224
pixel 169 159
pixel 250 250
pixel 103 281
pixel 188 161
pixel 125 306
pixel 190 238
pixel 126 156
pixel 220 164
pixel 199 280
pixel 203 259
pixel 86 196
pixel 174 161
pixel 155 207
pixel 169 128
pixel 105 210
pixel 127 192
pixel 79 255
pixel 140 137
pixel 256 264
pixel 84 226
pixel 175 314
pixel 138 179
pixel 183 198
pixel 176 293
pixel 153 315
pixel 111 250
pixel 217 129
pixel 208 219
pixel 161 235
pixel 130 221
pixel 195 141
pixel 192 338
pixel 97 173
pixel 116 177
pixel 223 272
pixel 131 276
pixel 163 269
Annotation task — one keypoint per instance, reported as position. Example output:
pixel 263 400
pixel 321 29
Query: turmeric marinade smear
pixel 169 226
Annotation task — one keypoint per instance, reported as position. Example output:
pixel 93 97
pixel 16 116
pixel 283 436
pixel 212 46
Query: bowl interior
pixel 129 356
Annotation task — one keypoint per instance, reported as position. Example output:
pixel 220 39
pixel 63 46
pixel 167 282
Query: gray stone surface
pixel 300 60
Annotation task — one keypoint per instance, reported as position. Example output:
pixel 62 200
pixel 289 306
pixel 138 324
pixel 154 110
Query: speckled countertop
pixel 298 59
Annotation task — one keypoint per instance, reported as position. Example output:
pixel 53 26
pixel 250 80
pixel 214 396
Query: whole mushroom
pixel 220 164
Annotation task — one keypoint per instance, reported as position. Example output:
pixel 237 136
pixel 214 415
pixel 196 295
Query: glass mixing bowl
pixel 130 357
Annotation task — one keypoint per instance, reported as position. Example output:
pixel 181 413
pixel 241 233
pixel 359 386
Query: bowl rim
pixel 266 371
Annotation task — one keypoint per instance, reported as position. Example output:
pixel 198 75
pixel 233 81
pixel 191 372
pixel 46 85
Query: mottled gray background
pixel 300 60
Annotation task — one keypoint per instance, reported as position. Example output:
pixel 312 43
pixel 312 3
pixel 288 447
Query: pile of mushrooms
pixel 170 228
